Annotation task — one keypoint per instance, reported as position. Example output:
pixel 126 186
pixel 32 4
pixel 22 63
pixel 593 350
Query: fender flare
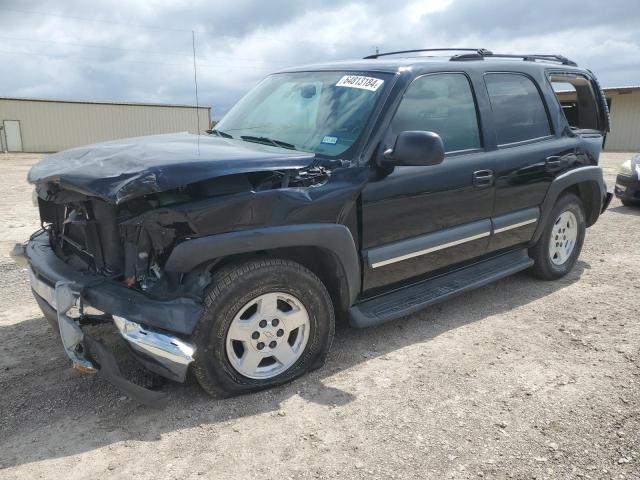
pixel 336 239
pixel 591 174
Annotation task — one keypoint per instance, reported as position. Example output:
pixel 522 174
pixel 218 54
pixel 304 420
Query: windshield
pixel 319 112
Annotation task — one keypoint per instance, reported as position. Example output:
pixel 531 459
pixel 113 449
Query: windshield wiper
pixel 269 141
pixel 219 133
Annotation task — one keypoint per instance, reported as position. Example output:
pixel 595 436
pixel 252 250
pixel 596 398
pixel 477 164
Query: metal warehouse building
pixel 624 106
pixel 34 125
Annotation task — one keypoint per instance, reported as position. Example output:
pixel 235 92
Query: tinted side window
pixel 518 111
pixel 440 103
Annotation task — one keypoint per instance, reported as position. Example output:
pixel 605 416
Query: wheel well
pixel 322 262
pixel 589 193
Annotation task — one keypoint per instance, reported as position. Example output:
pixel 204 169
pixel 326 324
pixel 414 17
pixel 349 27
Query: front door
pixel 416 220
pixel 13 137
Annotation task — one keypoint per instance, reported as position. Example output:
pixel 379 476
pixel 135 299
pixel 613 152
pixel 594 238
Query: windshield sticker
pixel 356 81
pixel 330 140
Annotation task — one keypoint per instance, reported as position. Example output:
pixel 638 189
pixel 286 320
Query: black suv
pixel 365 190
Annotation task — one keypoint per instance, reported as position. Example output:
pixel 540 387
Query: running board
pixel 415 297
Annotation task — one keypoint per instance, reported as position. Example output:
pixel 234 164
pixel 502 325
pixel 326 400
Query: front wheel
pixel 265 322
pixel 560 244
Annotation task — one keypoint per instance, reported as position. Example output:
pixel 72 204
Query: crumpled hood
pixel 124 169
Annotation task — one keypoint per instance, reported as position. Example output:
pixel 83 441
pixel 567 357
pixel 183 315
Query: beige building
pixel 33 125
pixel 624 106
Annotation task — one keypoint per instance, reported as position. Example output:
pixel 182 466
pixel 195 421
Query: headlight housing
pixel 625 169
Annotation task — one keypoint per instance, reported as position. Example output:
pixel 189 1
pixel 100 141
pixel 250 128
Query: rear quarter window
pixel 578 101
pixel 518 110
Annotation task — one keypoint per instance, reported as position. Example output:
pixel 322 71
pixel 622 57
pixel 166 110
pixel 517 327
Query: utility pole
pixel 195 78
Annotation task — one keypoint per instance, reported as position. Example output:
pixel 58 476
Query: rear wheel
pixel 560 245
pixel 265 323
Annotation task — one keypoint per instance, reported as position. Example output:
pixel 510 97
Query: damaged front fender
pixel 337 239
pixel 262 220
pixel 330 201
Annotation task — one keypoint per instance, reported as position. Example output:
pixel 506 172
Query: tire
pixel 630 203
pixel 553 261
pixel 233 303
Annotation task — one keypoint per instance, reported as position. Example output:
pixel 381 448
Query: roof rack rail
pixel 478 51
pixel 479 54
pixel 527 58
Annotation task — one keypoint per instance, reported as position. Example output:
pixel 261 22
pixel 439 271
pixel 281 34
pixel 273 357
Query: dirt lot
pixel 520 379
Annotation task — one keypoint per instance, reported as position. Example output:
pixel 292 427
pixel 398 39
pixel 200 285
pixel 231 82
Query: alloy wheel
pixel 563 237
pixel 268 335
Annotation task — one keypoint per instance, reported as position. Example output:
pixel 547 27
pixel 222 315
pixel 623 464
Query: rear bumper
pixel 72 297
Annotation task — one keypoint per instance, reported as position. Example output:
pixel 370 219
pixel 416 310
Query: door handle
pixel 553 162
pixel 482 178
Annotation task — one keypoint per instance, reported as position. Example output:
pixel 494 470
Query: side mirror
pixel 415 148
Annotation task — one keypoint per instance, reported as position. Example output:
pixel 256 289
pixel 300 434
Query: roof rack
pixel 481 54
pixel 478 51
pixel 527 58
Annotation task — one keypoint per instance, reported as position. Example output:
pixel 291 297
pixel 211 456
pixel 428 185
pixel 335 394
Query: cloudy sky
pixel 142 51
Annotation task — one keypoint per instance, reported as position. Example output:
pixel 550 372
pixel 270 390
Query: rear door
pixel 530 152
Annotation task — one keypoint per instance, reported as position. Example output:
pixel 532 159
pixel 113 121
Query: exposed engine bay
pixel 130 241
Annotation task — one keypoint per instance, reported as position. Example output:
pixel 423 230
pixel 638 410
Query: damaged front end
pixel 102 260
pixel 130 242
pixel 71 298
pixel 91 356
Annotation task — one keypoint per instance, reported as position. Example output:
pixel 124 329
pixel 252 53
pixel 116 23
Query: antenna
pixel 195 78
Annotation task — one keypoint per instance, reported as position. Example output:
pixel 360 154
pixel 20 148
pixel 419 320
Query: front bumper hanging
pixel 66 299
pixel 82 350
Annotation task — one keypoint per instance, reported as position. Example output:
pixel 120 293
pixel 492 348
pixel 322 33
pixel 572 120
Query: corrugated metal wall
pixel 50 126
pixel 625 121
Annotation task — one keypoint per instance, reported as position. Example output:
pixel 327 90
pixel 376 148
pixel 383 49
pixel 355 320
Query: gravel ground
pixel 519 379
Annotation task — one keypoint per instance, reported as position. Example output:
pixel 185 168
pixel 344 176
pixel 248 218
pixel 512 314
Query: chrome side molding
pixel 428 243
pixel 430 249
pixel 516 219
pixel 515 225
pixel 449 237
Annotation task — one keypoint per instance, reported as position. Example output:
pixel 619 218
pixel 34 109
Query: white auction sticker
pixel 356 81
